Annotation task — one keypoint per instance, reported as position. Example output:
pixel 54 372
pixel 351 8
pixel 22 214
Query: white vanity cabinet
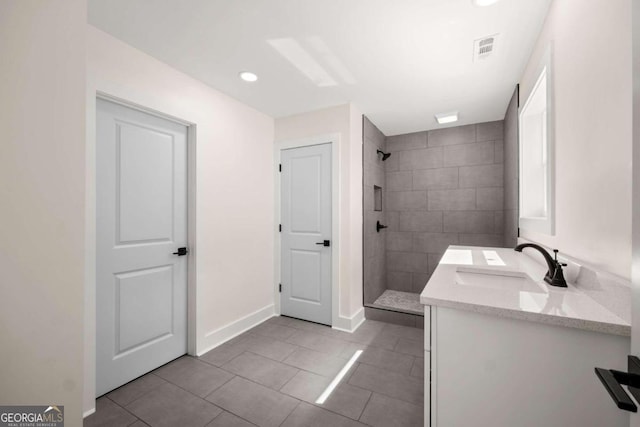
pixel 508 366
pixel 500 372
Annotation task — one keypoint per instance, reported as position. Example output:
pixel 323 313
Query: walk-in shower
pixel 422 192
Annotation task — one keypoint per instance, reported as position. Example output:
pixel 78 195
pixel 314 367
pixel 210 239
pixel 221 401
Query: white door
pixel 141 295
pixel 306 233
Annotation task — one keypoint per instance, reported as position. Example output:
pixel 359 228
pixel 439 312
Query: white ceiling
pixel 400 62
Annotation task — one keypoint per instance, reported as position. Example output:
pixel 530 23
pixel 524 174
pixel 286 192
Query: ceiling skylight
pixel 303 61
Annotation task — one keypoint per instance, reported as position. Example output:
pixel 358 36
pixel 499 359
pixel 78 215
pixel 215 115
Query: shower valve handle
pixel 380 226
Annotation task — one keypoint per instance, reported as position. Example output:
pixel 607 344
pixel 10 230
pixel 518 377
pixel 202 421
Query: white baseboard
pixel 89 412
pixel 221 335
pixel 350 324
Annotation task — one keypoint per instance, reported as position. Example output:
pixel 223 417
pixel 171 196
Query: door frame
pixel 334 140
pixel 91 226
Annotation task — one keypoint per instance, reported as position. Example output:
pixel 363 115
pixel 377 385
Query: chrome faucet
pixel 554 275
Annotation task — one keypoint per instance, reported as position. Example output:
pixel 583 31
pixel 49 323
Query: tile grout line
pixel 259 355
pixel 235 415
pixel 339 384
pixel 289 414
pixel 124 409
pixel 397 398
pixel 364 408
pixel 258 384
pixel 183 389
pixel 339 340
pixel 143 394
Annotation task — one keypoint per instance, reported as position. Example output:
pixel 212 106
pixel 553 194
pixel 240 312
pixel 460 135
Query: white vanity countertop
pixel 515 297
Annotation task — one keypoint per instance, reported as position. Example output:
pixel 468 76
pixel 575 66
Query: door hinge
pixel 280 287
pixel 280 228
pixel 280 167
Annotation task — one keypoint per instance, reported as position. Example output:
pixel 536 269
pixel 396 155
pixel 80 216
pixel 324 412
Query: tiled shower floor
pixel 406 302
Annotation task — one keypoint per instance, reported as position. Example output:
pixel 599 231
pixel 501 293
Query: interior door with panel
pixel 141 295
pixel 306 233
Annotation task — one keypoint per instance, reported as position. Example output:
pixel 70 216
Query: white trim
pixel 192 279
pixel 89 346
pixel 221 335
pixel 433 392
pixel 139 107
pixel 544 225
pixel 334 140
pixel 350 324
pixel 91 411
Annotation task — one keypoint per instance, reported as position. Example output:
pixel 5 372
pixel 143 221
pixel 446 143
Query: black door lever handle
pixel 613 381
pixel 324 243
pixel 181 251
pixel 617 393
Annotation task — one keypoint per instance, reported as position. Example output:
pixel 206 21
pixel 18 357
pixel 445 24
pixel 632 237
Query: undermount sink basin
pixel 501 279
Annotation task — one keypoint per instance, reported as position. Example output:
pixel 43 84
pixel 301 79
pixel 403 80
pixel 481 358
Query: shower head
pixel 385 156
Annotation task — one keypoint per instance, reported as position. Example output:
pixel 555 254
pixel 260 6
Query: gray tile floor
pixel 271 376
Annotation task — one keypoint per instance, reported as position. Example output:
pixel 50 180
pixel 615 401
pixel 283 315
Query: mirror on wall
pixel 536 152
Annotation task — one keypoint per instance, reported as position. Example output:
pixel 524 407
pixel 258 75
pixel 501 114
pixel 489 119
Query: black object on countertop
pixel 554 275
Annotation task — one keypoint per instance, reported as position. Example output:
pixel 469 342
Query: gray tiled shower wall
pixel 443 187
pixel 374 243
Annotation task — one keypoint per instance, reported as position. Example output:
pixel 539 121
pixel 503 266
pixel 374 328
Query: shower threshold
pixel 403 302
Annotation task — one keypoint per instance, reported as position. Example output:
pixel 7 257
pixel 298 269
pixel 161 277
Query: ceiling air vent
pixel 484 47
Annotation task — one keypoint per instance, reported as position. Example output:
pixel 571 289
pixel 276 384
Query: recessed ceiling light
pixel 443 118
pixel 248 76
pixel 482 3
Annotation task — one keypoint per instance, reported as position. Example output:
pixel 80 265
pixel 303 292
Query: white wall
pixel 42 167
pixel 592 76
pixel 346 121
pixel 234 185
pixel 356 211
pixel 635 274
